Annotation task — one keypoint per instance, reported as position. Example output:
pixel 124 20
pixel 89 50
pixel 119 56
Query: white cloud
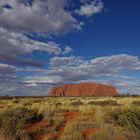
pixel 19 43
pixel 98 67
pixel 6 69
pixel 42 16
pixel 67 61
pixel 14 44
pixel 7 78
pixel 74 69
pixel 62 70
pixel 35 80
pixel 67 50
pixel 125 85
pixel 117 63
pixel 90 9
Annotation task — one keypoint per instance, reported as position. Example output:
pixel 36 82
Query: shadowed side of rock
pixel 83 89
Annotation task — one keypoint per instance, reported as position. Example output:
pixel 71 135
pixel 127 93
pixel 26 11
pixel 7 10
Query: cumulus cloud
pixel 67 61
pixel 35 80
pixel 117 63
pixel 20 17
pixel 7 78
pixel 6 69
pixel 47 16
pixel 67 50
pixel 89 9
pixel 126 84
pixel 102 66
pixel 14 44
pixel 43 17
pixel 17 43
pixel 74 69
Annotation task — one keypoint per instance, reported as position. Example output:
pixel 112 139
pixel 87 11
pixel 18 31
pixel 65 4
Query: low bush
pixel 128 119
pixel 72 132
pixel 104 103
pixel 16 101
pixel 12 123
pixel 137 103
pixel 77 103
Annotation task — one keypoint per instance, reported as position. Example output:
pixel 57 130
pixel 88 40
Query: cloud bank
pixel 73 69
pixel 47 16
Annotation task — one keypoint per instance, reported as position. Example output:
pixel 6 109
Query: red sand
pixel 89 132
pixel 70 116
pixel 59 132
pixel 36 126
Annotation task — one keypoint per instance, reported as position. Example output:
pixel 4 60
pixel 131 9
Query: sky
pixel 46 43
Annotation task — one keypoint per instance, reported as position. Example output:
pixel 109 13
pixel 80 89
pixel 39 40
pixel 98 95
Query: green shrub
pixel 135 96
pixel 16 101
pixel 27 104
pixel 128 119
pixel 137 103
pixel 104 103
pixel 77 103
pixel 37 101
pixel 58 104
pixel 12 123
pixel 101 135
pixel 72 132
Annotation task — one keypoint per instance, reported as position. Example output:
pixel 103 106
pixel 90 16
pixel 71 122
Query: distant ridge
pixel 83 89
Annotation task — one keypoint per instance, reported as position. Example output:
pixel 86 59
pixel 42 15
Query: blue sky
pixel 48 43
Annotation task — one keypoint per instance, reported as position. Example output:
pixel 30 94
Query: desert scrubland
pixel 70 118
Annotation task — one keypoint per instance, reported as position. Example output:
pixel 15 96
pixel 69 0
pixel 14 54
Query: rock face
pixel 83 89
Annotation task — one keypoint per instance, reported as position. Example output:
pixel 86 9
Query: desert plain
pixel 70 118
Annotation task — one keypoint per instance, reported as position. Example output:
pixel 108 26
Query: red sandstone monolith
pixel 83 89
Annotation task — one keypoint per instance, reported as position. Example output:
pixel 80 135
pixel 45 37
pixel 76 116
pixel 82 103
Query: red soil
pixel 89 132
pixel 49 136
pixel 56 135
pixel 41 136
pixel 70 116
pixel 36 126
pixel 121 138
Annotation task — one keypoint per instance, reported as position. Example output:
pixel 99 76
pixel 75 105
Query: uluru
pixel 83 89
